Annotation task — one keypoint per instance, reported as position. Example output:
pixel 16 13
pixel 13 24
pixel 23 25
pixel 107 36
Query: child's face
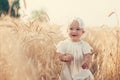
pixel 74 31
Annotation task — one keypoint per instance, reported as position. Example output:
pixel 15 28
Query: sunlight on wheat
pixel 27 51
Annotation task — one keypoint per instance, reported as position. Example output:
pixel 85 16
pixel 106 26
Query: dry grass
pixel 106 61
pixel 27 51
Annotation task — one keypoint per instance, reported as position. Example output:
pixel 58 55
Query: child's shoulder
pixel 84 42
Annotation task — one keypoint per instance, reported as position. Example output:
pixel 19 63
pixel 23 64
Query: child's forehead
pixel 77 22
pixel 74 23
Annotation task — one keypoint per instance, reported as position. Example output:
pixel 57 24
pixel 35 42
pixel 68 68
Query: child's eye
pixel 78 29
pixel 71 28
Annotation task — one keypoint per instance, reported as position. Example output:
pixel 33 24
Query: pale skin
pixel 75 32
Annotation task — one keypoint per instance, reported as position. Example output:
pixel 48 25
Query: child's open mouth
pixel 74 35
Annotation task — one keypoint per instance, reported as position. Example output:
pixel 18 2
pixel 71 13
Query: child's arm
pixel 65 57
pixel 87 60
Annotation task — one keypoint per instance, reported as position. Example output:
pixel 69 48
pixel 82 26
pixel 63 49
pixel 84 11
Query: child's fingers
pixel 85 66
pixel 66 58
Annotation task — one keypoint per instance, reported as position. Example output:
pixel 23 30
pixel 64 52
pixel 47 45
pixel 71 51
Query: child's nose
pixel 73 30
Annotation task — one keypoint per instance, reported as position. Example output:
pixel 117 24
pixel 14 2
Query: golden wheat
pixel 27 51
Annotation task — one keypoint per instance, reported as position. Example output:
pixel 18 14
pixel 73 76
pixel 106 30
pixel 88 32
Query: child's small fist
pixel 85 66
pixel 68 57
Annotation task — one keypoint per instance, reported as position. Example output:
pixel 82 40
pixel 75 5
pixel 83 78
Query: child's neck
pixel 75 40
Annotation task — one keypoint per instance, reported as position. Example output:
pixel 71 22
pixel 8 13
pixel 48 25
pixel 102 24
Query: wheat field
pixel 28 52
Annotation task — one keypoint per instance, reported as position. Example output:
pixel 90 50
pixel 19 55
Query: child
pixel 75 54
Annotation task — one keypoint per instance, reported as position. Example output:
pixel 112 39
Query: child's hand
pixel 85 65
pixel 87 61
pixel 68 57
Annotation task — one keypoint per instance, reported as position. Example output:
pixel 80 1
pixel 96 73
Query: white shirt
pixel 77 49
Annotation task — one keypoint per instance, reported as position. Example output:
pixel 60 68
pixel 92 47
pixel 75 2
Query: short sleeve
pixel 86 48
pixel 61 47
